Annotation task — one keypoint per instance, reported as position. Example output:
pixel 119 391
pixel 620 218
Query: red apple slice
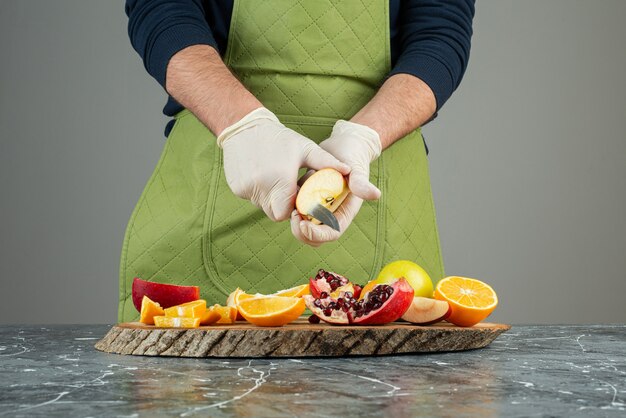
pixel 166 295
pixel 426 311
pixel 326 187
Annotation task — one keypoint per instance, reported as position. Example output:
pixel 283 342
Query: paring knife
pixel 325 216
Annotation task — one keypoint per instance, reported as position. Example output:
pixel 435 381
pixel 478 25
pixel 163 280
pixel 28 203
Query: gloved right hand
pixel 262 158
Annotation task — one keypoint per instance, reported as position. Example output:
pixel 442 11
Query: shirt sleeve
pixel 158 29
pixel 435 39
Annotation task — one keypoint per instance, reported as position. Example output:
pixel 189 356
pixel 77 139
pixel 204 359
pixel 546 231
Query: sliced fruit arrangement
pixel 331 298
pixel 471 300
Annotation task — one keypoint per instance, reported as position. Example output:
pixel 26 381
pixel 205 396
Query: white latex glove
pixel 356 145
pixel 262 158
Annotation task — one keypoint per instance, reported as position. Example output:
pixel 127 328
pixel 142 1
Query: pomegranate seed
pixel 328 312
pixel 317 303
pixel 323 295
pixel 314 319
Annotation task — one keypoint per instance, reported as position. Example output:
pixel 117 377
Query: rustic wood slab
pixel 298 339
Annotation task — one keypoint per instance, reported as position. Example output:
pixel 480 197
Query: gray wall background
pixel 528 159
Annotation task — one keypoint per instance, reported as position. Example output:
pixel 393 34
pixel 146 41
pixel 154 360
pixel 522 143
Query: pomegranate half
pixel 326 281
pixel 383 304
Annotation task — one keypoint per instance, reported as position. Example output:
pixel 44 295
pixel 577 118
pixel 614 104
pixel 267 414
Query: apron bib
pixel 311 63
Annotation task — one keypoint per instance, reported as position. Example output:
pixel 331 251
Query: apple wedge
pixel 426 311
pixel 326 187
pixel 166 295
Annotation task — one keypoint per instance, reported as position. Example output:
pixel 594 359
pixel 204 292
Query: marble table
pixel 528 371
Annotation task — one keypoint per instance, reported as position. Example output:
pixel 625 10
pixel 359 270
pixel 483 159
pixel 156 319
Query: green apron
pixel 311 63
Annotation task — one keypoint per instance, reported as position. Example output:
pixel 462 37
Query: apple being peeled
pixel 326 187
pixel 426 311
pixel 166 295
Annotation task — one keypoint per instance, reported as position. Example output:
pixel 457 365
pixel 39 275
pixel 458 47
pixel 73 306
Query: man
pixel 260 89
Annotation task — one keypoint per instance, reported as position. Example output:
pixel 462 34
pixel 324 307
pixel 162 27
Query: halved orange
pixel 149 309
pixel 194 309
pixel 271 311
pixel 176 322
pixel 228 314
pixel 210 317
pixel 470 300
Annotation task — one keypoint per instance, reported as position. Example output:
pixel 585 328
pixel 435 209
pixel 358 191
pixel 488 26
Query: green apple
pixel 416 276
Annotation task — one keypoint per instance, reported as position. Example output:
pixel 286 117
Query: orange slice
pixel 232 298
pixel 228 314
pixel 243 296
pixel 238 295
pixel 232 301
pixel 295 291
pixel 194 309
pixel 210 317
pixel 149 309
pixel 271 311
pixel 470 300
pixel 176 322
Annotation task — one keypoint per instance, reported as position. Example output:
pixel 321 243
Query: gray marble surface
pixel 529 371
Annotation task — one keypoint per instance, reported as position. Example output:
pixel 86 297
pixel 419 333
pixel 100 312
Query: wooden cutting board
pixel 298 339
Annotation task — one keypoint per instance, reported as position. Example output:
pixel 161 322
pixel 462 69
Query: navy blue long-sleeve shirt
pixel 430 39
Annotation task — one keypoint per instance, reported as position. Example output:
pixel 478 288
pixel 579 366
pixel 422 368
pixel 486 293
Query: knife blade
pixel 325 216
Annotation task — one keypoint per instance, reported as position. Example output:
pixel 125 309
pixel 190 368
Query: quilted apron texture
pixel 311 63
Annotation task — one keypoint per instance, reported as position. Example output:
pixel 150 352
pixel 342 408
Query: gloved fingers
pixel 348 210
pixel 318 234
pixel 297 232
pixel 360 185
pixel 266 206
pixel 317 159
pixel 282 198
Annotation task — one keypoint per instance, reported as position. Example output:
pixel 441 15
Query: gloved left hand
pixel 356 145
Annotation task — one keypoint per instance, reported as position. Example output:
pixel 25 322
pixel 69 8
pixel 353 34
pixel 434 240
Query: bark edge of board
pixel 299 339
